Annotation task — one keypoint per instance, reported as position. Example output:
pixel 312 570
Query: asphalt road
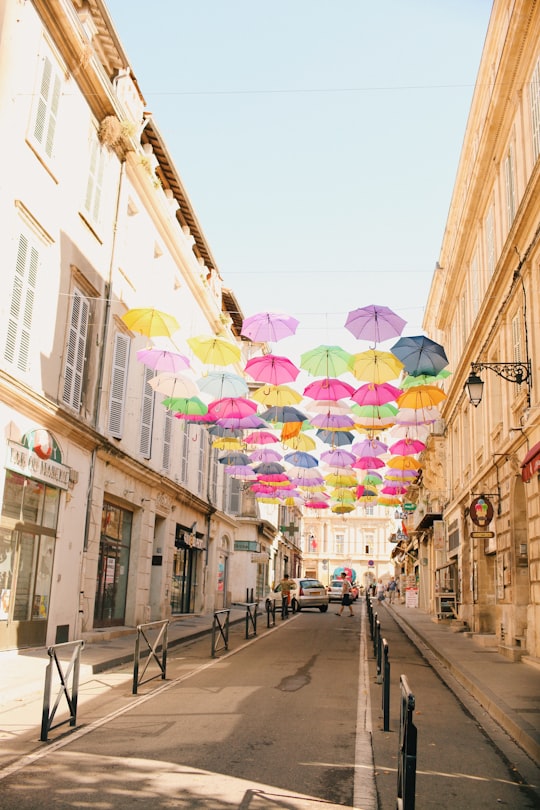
pixel 281 721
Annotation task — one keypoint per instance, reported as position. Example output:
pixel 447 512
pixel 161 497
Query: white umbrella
pixel 174 385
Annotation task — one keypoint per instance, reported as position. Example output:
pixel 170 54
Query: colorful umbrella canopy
pixel 376 366
pixel 420 432
pixel 328 388
pixel 316 503
pixel 272 369
pixel 269 468
pixel 287 413
pixel 310 474
pixel 336 438
pixel 231 408
pixel 220 432
pixel 329 421
pixel 264 455
pixel 301 442
pixel 343 508
pixel 328 406
pixel 376 394
pixel 234 457
pixel 368 463
pixel 214 350
pixel 186 406
pixel 151 322
pixel 342 494
pixel 276 395
pixel 337 480
pixel 227 443
pixel 338 458
pixel 219 384
pixel 406 447
pixel 299 458
pixel 162 360
pixel 369 447
pixel 326 361
pixel 241 471
pixel 420 355
pixel 417 416
pixel 424 379
pixel 261 437
pixel 268 326
pixel 423 396
pixel 375 323
pixel 404 463
pixel 374 411
pixel 372 479
pixel 243 423
pixel 173 385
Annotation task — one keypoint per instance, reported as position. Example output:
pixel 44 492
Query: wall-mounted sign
pixel 481 511
pixel 26 462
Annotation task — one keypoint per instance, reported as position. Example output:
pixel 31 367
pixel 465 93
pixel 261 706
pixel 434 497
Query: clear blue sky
pixel 318 141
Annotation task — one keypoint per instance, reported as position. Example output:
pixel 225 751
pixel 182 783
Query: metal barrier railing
pixel 153 648
pixel 251 619
pixel 48 714
pixel 379 652
pixel 270 612
pixel 220 630
pixel 376 634
pixel 407 749
pixel 386 686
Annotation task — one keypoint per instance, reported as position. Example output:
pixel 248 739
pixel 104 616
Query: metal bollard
pixel 386 687
pixel 407 749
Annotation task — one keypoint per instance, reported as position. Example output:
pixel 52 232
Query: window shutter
pixel 185 452
pixel 19 326
pixel 94 186
pixel 147 414
pixel 118 385
pixel 202 463
pixel 47 107
pixel 76 350
pixel 167 434
pixel 234 495
pixel 535 110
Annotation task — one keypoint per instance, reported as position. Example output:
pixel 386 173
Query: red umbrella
pixel 268 326
pixel 329 388
pixel 406 447
pixel 272 369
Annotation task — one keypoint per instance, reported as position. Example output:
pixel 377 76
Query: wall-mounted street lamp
pixel 517 373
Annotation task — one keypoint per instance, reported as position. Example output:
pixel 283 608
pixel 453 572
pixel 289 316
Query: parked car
pixel 334 591
pixel 305 593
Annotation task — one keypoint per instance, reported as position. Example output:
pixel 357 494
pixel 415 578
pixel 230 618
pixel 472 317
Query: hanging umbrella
pixel 394 489
pixel 231 408
pixel 400 475
pixel 227 443
pixel 264 455
pixel 261 437
pixel 213 350
pixel 420 432
pixel 328 421
pixel 162 360
pixel 342 494
pixel 376 366
pixel 369 447
pixel 375 394
pixel 372 479
pixel 368 463
pixel 268 326
pixel 269 468
pixel 404 463
pixel 185 406
pixel 406 447
pixel 220 384
pixel 417 416
pixel 424 396
pixel 242 472
pixel 233 457
pixel 272 369
pixel 328 406
pixel 287 413
pixel 328 388
pixel 173 385
pixel 374 411
pixel 301 442
pixel 274 479
pixel 299 458
pixel 338 458
pixel 276 395
pixel 424 379
pixel 220 432
pixel 243 423
pixel 389 500
pixel 150 322
pixel 343 508
pixel 337 480
pixel 312 474
pixel 420 355
pixel 375 323
pixel 336 438
pixel 326 361
pixel 316 503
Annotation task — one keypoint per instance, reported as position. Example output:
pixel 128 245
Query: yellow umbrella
pixel 301 442
pixel 150 322
pixel 421 396
pixel 337 480
pixel 228 443
pixel 214 350
pixel 376 366
pixel 276 396
pixel 343 508
pixel 403 463
pixel 343 494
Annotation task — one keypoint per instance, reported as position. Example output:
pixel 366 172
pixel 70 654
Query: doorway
pixel 113 566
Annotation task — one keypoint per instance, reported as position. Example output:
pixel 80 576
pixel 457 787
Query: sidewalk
pixel 508 690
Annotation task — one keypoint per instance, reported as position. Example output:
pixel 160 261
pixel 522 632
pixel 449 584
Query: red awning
pixel 530 465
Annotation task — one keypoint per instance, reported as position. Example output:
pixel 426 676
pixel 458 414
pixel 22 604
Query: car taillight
pixel 301 591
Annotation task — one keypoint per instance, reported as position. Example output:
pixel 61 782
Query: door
pixel 113 566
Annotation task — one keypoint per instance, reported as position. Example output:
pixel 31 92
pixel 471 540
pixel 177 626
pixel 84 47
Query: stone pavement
pixel 509 691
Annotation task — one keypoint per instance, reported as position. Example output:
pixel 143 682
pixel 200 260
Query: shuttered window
pixel 21 306
pixel 234 495
pixel 185 452
pixel 535 110
pixel 201 472
pixel 94 186
pixel 167 439
pixel 118 385
pixel 76 350
pixel 147 414
pixel 510 187
pixel 47 106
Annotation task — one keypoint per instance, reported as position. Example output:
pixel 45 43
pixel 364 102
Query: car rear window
pixel 311 583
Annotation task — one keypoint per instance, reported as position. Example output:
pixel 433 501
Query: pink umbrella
pixel 374 323
pixel 268 326
pixel 261 437
pixel 394 489
pixel 407 447
pixel 369 447
pixel 329 421
pixel 274 478
pixel 338 458
pixel 328 406
pixel 243 423
pixel 242 471
pixel 368 463
pixel 375 394
pixel 261 489
pixel 316 503
pixel 231 408
pixel 161 360
pixel 272 369
pixel 329 388
pixel 264 455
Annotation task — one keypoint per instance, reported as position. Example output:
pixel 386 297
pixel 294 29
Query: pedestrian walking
pixel 345 595
pixel 380 590
pixel 391 588
pixel 286 587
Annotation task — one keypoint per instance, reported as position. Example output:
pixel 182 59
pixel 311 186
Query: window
pixel 516 339
pixel 535 110
pixel 118 385
pixel 21 307
pixel 510 187
pixel 201 472
pixel 215 470
pixel 94 186
pixel 340 543
pixel 490 241
pixel 46 114
pixel 167 438
pixel 147 414
pixel 234 496
pixel 185 453
pixel 475 286
pixel 75 350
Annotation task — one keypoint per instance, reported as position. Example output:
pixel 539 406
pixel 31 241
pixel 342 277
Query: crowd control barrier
pixel 71 695
pixel 143 631
pixel 220 631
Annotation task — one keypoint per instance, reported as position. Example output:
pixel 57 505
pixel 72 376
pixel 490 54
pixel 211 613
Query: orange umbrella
pixel 403 463
pixel 421 396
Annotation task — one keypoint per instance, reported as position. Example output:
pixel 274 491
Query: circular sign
pixel 371 563
pixel 481 511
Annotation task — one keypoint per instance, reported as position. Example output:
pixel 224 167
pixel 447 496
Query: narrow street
pixel 280 721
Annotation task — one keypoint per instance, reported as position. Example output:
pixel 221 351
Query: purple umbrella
pixel 330 421
pixel 369 447
pixel 249 422
pixel 375 323
pixel 161 360
pixel 338 458
pixel 268 326
pixel 264 455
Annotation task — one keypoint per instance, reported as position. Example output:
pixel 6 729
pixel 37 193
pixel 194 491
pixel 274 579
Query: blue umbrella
pixel 420 355
pixel 301 459
pixel 336 438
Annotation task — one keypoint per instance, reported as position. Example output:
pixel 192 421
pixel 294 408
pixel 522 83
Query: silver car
pixel 306 593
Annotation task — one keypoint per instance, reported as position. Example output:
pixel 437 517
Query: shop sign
pixel 25 462
pixel 481 511
pixel 261 557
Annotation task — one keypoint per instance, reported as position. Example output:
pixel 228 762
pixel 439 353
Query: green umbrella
pixel 424 379
pixel 326 361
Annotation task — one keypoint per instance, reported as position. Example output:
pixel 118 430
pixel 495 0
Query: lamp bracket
pixel 512 372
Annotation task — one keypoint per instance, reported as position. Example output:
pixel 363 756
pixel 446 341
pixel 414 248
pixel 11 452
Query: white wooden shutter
pixel 47 106
pixel 21 309
pixel 92 202
pixel 185 452
pixel 167 434
pixel 201 438
pixel 147 414
pixel 76 350
pixel 118 385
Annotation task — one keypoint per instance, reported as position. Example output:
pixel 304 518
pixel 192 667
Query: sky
pixel 318 141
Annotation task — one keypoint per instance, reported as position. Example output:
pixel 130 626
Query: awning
pixel 427 521
pixel 530 465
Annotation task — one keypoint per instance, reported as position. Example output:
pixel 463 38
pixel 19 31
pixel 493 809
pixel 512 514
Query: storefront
pixel 187 565
pixel 113 566
pixel 34 480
